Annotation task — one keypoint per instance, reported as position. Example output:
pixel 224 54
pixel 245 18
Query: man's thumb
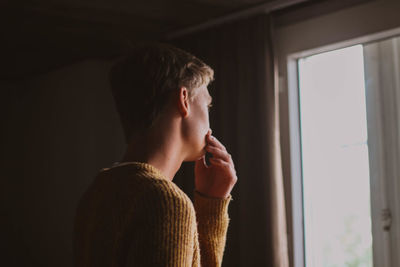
pixel 201 163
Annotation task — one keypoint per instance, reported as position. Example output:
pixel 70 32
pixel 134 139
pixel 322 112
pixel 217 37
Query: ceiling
pixel 39 35
pixel 150 17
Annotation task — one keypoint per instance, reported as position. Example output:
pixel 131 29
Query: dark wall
pixel 58 129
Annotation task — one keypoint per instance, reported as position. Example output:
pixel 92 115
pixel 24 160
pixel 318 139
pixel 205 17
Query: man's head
pixel 143 81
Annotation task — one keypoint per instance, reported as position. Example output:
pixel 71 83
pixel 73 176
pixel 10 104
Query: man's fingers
pixel 219 162
pixel 214 141
pixel 218 153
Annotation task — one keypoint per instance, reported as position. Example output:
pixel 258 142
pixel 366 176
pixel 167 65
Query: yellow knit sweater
pixel 132 215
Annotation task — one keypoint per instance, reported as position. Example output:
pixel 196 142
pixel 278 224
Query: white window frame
pixel 384 249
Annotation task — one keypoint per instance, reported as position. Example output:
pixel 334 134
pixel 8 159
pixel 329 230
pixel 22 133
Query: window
pixel 336 199
pixel 345 153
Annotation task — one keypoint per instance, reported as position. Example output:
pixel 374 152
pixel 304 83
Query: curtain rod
pixel 261 8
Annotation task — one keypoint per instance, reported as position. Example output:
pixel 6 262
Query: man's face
pixel 198 123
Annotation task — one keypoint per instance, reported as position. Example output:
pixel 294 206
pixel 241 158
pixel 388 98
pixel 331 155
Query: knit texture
pixel 132 215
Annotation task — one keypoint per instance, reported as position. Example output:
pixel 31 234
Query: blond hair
pixel 142 80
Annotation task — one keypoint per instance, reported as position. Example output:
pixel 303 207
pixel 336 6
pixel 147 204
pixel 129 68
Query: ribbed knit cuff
pixel 210 207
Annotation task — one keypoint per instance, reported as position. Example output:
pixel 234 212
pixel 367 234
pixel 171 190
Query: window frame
pixel 383 252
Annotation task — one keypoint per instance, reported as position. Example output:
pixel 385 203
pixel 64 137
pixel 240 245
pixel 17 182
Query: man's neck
pixel 161 151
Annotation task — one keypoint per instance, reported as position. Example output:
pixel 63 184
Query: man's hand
pixel 218 179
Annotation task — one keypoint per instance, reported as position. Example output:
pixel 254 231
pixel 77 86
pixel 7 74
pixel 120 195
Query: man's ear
pixel 183 101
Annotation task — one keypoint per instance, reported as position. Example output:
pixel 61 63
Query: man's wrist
pixel 209 196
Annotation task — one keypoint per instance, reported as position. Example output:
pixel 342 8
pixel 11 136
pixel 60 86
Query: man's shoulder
pixel 167 191
pixel 149 185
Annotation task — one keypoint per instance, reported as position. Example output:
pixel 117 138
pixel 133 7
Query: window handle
pixel 386 219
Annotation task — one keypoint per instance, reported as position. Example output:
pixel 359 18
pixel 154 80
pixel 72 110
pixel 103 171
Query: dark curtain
pixel 244 117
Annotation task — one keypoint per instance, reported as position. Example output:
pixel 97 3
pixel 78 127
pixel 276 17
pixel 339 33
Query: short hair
pixel 142 80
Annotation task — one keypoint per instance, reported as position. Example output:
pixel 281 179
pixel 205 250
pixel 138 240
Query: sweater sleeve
pixel 166 237
pixel 212 223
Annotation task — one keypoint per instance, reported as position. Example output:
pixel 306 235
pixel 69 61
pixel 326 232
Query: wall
pixel 58 130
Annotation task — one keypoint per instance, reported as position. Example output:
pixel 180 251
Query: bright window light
pixel 336 187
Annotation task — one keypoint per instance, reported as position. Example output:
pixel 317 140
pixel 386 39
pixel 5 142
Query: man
pixel 133 214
